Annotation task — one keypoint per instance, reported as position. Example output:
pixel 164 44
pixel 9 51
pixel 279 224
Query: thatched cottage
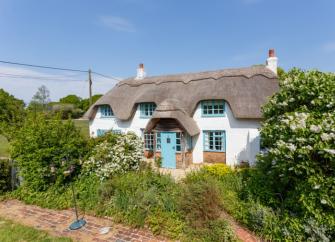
pixel 211 116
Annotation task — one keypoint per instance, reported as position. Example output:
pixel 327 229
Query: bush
pixel 56 197
pixel 116 154
pixel 5 176
pixel 298 165
pixel 218 169
pixel 142 197
pixel 200 199
pixel 44 148
pixel 212 231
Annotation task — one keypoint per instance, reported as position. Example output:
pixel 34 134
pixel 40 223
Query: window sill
pixel 107 117
pixel 213 116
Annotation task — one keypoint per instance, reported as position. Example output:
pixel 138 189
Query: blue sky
pixel 170 36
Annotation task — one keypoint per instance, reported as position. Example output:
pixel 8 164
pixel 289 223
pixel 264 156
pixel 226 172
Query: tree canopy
pixel 12 113
pixel 298 134
pixel 40 100
pixel 71 99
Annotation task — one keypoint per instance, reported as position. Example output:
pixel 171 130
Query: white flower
pixel 301 139
pixel 285 121
pixel 315 128
pixel 323 201
pixel 316 187
pixel 325 137
pixel 330 151
pixel 290 169
pixel 291 147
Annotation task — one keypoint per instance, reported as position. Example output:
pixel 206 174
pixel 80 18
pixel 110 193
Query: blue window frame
pixel 147 109
pixel 106 111
pixel 158 141
pixel 149 141
pixel 214 140
pixel 213 108
pixel 178 142
pixel 101 132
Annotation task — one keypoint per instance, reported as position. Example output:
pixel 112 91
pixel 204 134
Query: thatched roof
pixel 245 90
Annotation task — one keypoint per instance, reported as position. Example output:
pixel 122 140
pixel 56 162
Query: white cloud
pixel 59 84
pixel 329 47
pixel 117 23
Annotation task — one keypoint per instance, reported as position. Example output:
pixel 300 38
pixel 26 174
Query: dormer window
pixel 106 111
pixel 147 109
pixel 213 108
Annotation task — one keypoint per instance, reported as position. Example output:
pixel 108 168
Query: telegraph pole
pixel 90 85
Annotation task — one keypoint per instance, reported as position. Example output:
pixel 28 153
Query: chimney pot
pixel 271 52
pixel 272 61
pixel 140 72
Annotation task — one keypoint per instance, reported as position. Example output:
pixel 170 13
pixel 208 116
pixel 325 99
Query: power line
pixel 109 77
pixel 56 78
pixel 58 68
pixel 39 66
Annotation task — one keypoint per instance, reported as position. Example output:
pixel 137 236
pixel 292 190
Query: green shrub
pixel 158 162
pixel 218 169
pixel 44 148
pixel 298 167
pixel 169 224
pixel 56 197
pixel 200 199
pixel 135 196
pixel 116 154
pixel 213 231
pixel 5 176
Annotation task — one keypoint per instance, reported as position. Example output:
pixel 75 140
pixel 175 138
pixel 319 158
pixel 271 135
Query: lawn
pixel 10 232
pixel 4 147
pixel 83 126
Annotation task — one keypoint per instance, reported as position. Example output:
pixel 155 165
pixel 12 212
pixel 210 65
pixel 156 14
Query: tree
pixel 85 103
pixel 40 100
pixel 44 148
pixel 12 114
pixel 71 99
pixel 298 134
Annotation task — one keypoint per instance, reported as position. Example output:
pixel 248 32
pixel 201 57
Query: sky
pixel 169 36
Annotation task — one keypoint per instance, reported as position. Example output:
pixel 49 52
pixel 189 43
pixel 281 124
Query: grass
pixel 4 147
pixel 10 231
pixel 83 126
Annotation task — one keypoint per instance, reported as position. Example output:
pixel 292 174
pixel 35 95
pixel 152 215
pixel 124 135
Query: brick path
pixel 56 222
pixel 242 233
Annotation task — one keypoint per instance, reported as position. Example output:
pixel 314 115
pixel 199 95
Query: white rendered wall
pixel 242 136
pixel 135 124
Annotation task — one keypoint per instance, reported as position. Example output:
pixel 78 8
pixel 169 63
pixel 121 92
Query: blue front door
pixel 168 149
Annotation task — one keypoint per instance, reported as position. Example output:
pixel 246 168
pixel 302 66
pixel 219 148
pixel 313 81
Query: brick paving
pixel 56 223
pixel 242 233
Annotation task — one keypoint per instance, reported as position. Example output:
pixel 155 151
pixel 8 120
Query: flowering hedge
pixel 298 136
pixel 116 154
